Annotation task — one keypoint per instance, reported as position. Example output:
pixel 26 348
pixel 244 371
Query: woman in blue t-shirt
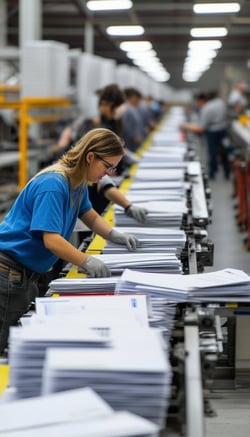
pixel 37 229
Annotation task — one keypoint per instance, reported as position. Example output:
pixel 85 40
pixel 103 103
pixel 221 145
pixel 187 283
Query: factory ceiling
pixel 167 26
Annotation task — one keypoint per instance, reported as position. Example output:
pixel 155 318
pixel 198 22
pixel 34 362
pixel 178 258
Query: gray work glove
pixel 127 239
pixel 94 268
pixel 136 212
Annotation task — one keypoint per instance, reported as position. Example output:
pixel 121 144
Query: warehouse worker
pixel 237 100
pixel 133 128
pixel 213 122
pixel 37 229
pixel 110 98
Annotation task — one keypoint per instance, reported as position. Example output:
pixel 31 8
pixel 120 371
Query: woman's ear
pixel 89 157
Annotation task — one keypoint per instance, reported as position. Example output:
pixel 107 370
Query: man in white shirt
pixel 237 101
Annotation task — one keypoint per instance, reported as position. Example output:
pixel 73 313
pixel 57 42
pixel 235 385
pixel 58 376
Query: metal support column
pixel 193 381
pixel 30 21
pixel 89 37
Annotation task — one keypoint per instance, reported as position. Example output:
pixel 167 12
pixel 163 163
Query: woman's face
pixel 99 167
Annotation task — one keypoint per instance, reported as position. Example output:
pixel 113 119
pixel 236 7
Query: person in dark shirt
pixel 110 98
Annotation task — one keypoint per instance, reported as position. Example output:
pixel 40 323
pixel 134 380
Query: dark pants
pixel 18 288
pixel 217 150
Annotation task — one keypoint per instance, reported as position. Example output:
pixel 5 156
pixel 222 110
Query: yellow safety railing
pixel 28 103
pixel 4 377
pixel 24 106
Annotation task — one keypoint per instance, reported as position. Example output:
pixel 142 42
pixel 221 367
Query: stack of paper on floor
pixel 133 375
pixel 70 413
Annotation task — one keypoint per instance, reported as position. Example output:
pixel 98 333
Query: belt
pixel 7 263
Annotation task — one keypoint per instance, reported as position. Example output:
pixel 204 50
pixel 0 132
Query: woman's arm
pixel 88 264
pixel 115 196
pixel 63 249
pixel 96 223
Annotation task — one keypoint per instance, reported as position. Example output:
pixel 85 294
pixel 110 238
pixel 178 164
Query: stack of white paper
pixel 168 156
pixel 151 240
pixel 136 196
pixel 160 175
pixel 160 213
pixel 175 163
pixel 83 286
pixel 103 309
pixel 163 305
pixel 223 285
pixel 27 347
pixel 167 136
pixel 118 424
pixel 156 185
pixel 68 414
pixel 133 375
pixel 150 262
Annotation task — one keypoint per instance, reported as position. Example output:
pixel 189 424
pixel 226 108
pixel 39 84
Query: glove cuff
pixel 127 208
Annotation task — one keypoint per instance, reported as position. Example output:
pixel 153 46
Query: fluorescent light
pixel 216 8
pixel 200 52
pixel 205 44
pixel 124 30
pixel 108 5
pixel 199 32
pixel 161 77
pixel 137 55
pixel 135 45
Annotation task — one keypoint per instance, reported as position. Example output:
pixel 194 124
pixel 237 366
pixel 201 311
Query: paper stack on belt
pixel 67 414
pixel 150 262
pixel 133 374
pixel 152 240
pixel 223 285
pixel 82 286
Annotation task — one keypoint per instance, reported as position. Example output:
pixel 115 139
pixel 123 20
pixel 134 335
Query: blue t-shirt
pixel 45 204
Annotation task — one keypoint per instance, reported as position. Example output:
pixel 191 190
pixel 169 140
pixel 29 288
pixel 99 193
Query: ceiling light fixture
pixel 216 8
pixel 213 44
pixel 201 52
pixel 125 30
pixel 108 5
pixel 135 55
pixel 204 32
pixel 135 45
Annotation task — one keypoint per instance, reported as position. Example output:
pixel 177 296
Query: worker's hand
pixel 94 268
pixel 136 212
pixel 126 239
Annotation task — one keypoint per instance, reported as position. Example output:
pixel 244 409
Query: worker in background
pixel 199 101
pixel 133 129
pixel 101 193
pixel 237 101
pixel 147 115
pixel 37 229
pixel 213 123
